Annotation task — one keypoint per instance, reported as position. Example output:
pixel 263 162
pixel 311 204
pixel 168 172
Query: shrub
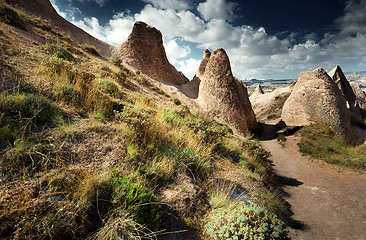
pixel 28 107
pixel 176 101
pixel 60 52
pixel 91 49
pixel 109 87
pixel 11 17
pixel 245 222
pixel 131 195
pixel 7 137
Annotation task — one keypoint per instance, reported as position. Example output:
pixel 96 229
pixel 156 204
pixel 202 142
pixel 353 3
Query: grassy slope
pixel 91 149
pixel 319 141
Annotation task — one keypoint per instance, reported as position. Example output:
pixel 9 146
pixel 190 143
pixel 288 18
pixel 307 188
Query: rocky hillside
pixel 95 145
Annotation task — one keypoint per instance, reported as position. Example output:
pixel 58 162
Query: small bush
pixel 176 101
pixel 91 50
pixel 7 137
pixel 131 195
pixel 60 52
pixel 109 87
pixel 245 222
pixel 28 107
pixel 11 17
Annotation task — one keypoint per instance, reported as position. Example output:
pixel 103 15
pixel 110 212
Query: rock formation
pixel 203 64
pixel 360 95
pixel 45 10
pixel 222 95
pixel 268 106
pixel 144 51
pixel 258 90
pixel 340 79
pixel 316 97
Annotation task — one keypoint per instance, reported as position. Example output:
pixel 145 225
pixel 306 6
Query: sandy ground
pixel 325 201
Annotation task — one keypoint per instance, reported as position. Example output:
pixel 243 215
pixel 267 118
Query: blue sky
pixel 264 39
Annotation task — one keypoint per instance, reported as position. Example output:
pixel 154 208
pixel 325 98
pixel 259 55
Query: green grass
pixel 27 109
pixel 319 141
pixel 60 52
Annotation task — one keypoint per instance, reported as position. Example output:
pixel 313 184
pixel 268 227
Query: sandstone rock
pixel 268 106
pixel 258 89
pixel 223 96
pixel 204 61
pixel 340 79
pixel 360 95
pixel 316 97
pixel 144 51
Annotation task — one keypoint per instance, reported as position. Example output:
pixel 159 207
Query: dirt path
pixel 326 201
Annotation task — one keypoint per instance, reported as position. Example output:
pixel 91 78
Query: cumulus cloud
pixel 169 4
pixel 101 3
pixel 252 51
pixel 175 52
pixel 217 9
pixel 189 67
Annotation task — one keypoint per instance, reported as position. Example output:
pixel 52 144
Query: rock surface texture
pixel 45 10
pixel 340 79
pixel 316 97
pixel 224 96
pixel 144 51
pixel 360 95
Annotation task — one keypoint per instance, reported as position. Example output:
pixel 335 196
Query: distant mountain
pixel 359 77
pixel 268 83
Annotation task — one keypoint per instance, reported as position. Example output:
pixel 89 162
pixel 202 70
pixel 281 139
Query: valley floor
pixel 324 201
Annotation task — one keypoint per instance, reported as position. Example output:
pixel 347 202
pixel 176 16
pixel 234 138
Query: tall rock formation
pixel 316 97
pixel 360 95
pixel 340 79
pixel 222 95
pixel 144 50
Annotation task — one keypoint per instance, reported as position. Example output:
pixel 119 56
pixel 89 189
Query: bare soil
pixel 324 201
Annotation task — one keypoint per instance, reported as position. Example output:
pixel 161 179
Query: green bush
pixel 60 52
pixel 28 107
pixel 176 101
pixel 91 49
pixel 245 222
pixel 7 137
pixel 131 195
pixel 11 17
pixel 109 87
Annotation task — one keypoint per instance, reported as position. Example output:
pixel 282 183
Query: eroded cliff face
pixel 316 97
pixel 144 50
pixel 222 95
pixel 45 10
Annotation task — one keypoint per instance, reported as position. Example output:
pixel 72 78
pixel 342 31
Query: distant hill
pixel 268 83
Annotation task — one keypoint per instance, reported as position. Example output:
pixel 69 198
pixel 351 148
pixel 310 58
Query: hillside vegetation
pixel 91 149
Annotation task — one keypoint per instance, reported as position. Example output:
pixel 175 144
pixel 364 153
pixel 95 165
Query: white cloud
pixel 189 67
pixel 169 4
pixel 252 51
pixel 175 52
pixel 217 9
pixel 101 3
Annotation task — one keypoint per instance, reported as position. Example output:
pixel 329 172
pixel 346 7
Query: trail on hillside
pixel 324 201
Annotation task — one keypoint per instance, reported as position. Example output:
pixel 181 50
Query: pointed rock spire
pixel 258 90
pixel 340 79
pixel 144 50
pixel 222 95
